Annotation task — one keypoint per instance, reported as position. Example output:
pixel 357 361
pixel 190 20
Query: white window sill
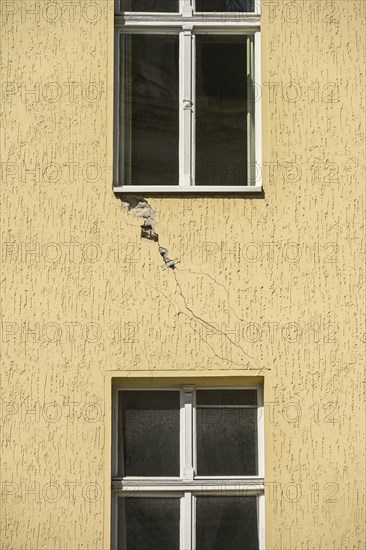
pixel 201 189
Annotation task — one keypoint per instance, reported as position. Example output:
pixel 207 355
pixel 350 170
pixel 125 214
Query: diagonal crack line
pixel 140 207
pixel 206 322
pixel 230 307
pixel 218 284
pixel 209 345
pixel 179 312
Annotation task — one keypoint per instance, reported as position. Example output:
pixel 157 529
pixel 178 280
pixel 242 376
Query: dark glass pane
pixel 148 523
pixel 226 523
pixel 149 142
pixel 225 5
pixel 221 110
pixel 150 5
pixel 226 397
pixel 226 426
pixel 149 433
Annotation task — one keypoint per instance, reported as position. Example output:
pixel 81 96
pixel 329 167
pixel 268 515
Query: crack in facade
pixel 140 207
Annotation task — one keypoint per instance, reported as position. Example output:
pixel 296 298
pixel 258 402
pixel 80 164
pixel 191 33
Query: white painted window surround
pixel 188 24
pixel 188 485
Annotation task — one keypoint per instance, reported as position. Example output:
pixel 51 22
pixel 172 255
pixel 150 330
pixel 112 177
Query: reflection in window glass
pixel 148 523
pixel 149 442
pixel 222 110
pixel 169 6
pixel 149 116
pixel 226 523
pixel 226 425
pixel 225 5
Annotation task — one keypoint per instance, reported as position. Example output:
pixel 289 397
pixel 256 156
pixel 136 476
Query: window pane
pixel 148 523
pixel 226 523
pixel 221 110
pixel 226 427
pixel 150 5
pixel 225 5
pixel 149 137
pixel 149 433
pixel 227 397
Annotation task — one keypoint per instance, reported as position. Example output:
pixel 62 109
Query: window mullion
pixel 193 522
pixel 188 471
pixel 186 521
pixel 260 432
pixel 186 107
pixel 186 8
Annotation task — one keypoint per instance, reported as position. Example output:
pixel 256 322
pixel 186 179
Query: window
pixel 187 105
pixel 188 469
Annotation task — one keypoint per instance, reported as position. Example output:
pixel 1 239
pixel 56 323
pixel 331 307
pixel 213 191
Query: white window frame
pixel 188 23
pixel 188 485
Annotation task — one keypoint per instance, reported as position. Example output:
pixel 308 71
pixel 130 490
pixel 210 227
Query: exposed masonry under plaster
pixel 140 207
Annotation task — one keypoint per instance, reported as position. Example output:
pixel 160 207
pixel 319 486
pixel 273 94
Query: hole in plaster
pixel 140 207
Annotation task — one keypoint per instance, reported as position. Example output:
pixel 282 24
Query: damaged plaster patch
pixel 140 207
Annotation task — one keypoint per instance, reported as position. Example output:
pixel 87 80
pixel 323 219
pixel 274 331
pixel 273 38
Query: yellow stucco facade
pixel 268 289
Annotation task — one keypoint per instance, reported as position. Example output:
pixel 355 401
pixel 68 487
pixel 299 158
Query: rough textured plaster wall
pixel 242 300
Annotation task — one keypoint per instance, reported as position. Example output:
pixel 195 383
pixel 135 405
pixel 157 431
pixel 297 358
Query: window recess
pixel 187 96
pixel 188 468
